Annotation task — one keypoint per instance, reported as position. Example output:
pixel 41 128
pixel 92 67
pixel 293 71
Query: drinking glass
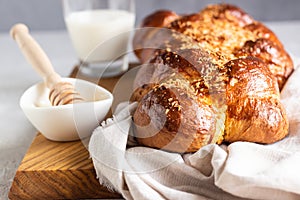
pixel 100 31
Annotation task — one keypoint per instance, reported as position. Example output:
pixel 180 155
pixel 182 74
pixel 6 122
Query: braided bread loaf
pixel 208 77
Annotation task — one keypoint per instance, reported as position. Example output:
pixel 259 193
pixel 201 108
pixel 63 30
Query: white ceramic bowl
pixel 68 122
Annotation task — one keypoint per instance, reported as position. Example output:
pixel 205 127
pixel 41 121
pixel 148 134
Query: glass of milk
pixel 100 31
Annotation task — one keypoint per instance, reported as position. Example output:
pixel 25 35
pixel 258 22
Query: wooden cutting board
pixel 62 170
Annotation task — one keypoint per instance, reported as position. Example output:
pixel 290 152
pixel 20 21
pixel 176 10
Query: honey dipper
pixel 61 93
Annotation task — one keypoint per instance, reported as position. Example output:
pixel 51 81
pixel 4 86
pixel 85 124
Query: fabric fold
pixel 241 170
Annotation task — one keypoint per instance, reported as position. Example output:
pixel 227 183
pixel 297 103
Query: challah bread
pixel 177 112
pixel 223 29
pixel 213 78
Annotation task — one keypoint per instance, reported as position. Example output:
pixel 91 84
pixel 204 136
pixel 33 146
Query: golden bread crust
pixel 223 70
pixel 257 114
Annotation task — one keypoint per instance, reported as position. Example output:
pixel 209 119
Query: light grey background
pixel 47 14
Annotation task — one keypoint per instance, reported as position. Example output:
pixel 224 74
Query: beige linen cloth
pixel 241 170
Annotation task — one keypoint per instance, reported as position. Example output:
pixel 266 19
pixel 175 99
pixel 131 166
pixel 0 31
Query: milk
pixel 100 35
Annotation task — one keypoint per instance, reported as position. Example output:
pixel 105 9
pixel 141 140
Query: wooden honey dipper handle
pixel 35 54
pixel 61 92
